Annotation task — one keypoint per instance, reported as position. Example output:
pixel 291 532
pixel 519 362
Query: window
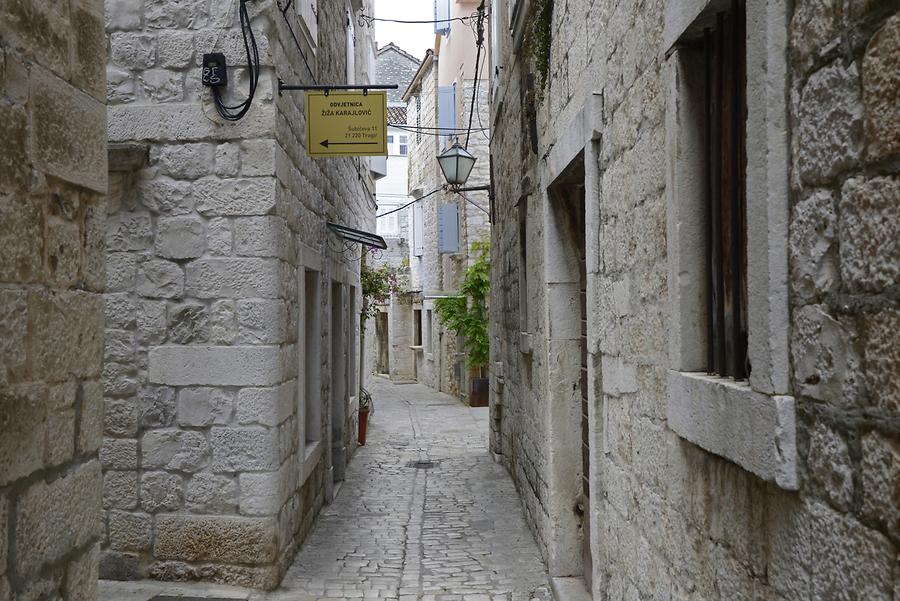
pixel 309 17
pixel 429 339
pixel 418 118
pixel 403 146
pixel 523 264
pixel 312 343
pixel 353 383
pixel 417 327
pixel 390 140
pixel 447 111
pixel 724 57
pixel 389 225
pixel 351 49
pixel 727 200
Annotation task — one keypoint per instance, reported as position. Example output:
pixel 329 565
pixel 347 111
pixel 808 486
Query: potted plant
pixel 466 314
pixel 366 407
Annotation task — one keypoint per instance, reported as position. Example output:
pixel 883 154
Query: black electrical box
pixel 214 70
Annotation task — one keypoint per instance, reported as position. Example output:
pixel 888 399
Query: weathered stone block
pixel 13 330
pixel 89 52
pixel 218 539
pixel 216 366
pixel 826 357
pixel 82 574
pixel 160 491
pixel 883 359
pixel 59 323
pixel 151 322
pixel 231 197
pixel 180 238
pixel 64 252
pixel 176 14
pixel 185 451
pixel 162 85
pixel 265 406
pixel 120 489
pixel 57 517
pixel 183 161
pixel 129 531
pixel 119 85
pixel 262 321
pixel 93 268
pixel 23 422
pixel 234 278
pixel 881 90
pixel 830 467
pixel 830 129
pixel 182 122
pixel 119 454
pixel 228 159
pixel 129 231
pixel 134 51
pixel 166 196
pixel 119 346
pixel 120 311
pixel 123 15
pixel 244 449
pixel 200 407
pixel 188 323
pixel 209 493
pixel 262 237
pixel 157 406
pixel 160 279
pixel 42 30
pixel 120 417
pixel 60 437
pixel 880 481
pixel 176 49
pixel 21 239
pixel 119 379
pixel 258 157
pixel 69 132
pixel 90 424
pixel 121 272
pixel 120 566
pixel 4 533
pixel 219 237
pixel 264 493
pixel 870 233
pixel 14 161
pixel 223 322
pixel 813 255
pixel 813 26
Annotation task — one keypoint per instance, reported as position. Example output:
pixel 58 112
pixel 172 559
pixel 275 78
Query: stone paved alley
pixel 452 532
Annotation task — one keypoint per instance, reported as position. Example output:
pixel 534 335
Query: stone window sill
pixel 730 419
pixel 418 348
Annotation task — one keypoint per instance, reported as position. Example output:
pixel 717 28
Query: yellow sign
pixel 346 124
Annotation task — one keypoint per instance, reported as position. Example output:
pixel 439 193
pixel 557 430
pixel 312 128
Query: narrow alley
pixel 424 514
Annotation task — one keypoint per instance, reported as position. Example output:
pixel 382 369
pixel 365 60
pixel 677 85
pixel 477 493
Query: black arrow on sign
pixel 326 143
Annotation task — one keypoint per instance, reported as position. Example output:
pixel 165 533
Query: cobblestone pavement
pixel 451 532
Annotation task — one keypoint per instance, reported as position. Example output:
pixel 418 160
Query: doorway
pixel 338 381
pixel 382 336
pixel 567 307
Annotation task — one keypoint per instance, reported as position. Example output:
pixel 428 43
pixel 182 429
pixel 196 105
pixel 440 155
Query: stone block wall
pixel 671 520
pixel 52 208
pixel 207 470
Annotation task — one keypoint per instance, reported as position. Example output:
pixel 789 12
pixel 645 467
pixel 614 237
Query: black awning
pixel 367 238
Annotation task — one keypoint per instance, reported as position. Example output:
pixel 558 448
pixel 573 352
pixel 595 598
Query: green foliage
pixel 467 314
pixel 376 288
pixel 540 37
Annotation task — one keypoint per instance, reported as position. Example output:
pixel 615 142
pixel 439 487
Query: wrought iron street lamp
pixel 456 162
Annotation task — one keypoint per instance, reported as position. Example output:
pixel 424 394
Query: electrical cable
pixel 436 134
pixel 370 18
pixel 236 112
pixel 425 128
pixel 436 190
pixel 480 124
pixel 473 203
pixel 480 42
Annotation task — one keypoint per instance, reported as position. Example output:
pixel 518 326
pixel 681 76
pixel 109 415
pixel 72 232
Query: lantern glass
pixel 456 163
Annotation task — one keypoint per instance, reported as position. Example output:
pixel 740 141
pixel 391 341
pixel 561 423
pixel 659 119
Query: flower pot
pixel 480 395
pixel 363 426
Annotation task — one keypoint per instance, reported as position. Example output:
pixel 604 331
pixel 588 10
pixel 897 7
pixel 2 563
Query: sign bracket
pixel 283 87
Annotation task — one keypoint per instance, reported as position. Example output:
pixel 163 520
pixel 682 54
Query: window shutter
pixel 441 14
pixel 447 109
pixel 448 228
pixel 308 10
pixel 418 230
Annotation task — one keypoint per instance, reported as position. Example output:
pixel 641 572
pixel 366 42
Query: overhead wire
pixel 435 191
pixel 370 18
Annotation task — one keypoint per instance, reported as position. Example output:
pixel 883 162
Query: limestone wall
pixel 210 470
pixel 52 208
pixel 671 520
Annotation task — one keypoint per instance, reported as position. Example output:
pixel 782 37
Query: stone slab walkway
pixel 402 529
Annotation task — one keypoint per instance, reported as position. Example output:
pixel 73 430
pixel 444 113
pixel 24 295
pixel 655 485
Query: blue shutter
pixel 441 14
pixel 447 109
pixel 448 228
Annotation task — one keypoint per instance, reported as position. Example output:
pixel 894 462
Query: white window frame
pixel 389 225
pixel 418 237
pixel 752 423
pixel 309 443
pixel 308 11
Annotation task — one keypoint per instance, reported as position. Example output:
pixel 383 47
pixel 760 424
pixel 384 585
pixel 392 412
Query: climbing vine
pixel 466 314
pixel 377 284
pixel 540 36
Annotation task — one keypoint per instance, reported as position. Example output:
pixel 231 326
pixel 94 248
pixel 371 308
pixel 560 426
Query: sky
pixel 415 39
